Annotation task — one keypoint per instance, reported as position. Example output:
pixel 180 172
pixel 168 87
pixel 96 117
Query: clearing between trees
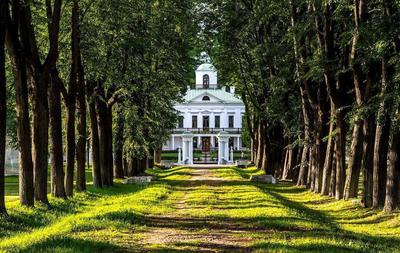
pixel 199 210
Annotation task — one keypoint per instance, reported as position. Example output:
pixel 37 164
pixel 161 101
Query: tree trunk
pixel 110 145
pixel 369 140
pixel 19 65
pixel 81 109
pixel 81 143
pixel 119 143
pixel 3 103
pixel 379 174
pixel 381 143
pixel 260 143
pixel 285 171
pixel 26 190
pixel 56 138
pixel 332 183
pixel 102 119
pixel 354 165
pixel 40 118
pixel 126 167
pixel 392 183
pixel 157 155
pixel 302 180
pixel 340 154
pixel 327 170
pixel 69 175
pixel 305 163
pixel 94 131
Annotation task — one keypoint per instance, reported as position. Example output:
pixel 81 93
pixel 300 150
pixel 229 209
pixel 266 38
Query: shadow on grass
pixel 69 244
pixel 23 219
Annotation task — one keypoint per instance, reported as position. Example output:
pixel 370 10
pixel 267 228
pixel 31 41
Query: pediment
pixel 199 98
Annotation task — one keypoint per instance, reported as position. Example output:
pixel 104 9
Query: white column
pixel 190 151
pixel 187 139
pixel 226 149
pixel 223 149
pixel 212 141
pixel 238 143
pixel 179 155
pixel 212 120
pixel 198 142
pixel 173 143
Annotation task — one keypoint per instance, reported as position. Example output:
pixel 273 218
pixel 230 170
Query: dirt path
pixel 180 232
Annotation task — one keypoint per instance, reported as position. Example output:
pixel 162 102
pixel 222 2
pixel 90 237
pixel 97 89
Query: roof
pixel 219 94
pixel 206 67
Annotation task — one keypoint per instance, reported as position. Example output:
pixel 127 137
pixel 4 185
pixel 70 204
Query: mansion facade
pixel 210 119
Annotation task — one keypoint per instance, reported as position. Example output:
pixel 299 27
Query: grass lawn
pixel 11 183
pixel 199 210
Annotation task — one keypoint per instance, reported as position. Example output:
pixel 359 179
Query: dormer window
pixel 206 81
pixel 206 98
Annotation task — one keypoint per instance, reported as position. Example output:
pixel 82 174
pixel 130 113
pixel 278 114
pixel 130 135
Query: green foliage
pixel 142 54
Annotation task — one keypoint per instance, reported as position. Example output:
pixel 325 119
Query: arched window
pixel 206 81
pixel 206 98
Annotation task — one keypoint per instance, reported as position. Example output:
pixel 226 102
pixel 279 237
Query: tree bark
pixel 110 145
pixel 260 143
pixel 327 170
pixel 369 140
pixel 119 143
pixel 69 175
pixel 94 130
pixel 3 103
pixel 340 154
pixel 354 164
pixel 56 138
pixel 332 183
pixel 40 136
pixel 285 165
pixel 19 66
pixel 81 102
pixel 392 183
pixel 305 163
pixel 102 121
pixel 381 142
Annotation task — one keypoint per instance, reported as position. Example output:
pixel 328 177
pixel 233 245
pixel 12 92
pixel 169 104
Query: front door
pixel 205 141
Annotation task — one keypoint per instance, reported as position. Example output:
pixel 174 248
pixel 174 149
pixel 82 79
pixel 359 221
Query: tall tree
pixel 15 28
pixel 3 102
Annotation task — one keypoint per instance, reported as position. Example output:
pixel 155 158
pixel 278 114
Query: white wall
pixel 211 110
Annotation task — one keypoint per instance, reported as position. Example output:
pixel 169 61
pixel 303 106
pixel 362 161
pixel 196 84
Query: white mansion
pixel 210 119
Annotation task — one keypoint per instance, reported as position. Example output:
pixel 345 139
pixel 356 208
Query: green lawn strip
pixel 12 184
pixel 91 213
pixel 275 218
pixel 305 217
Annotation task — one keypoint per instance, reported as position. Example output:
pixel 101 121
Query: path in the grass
pixel 187 233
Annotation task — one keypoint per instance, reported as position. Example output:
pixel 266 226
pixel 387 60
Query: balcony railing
pixel 207 130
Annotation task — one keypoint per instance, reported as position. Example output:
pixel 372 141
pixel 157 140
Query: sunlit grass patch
pixel 264 217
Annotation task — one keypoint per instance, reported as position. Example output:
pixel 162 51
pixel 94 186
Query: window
pixel 206 122
pixel 194 121
pixel 206 81
pixel 195 144
pixel 231 120
pixel 217 121
pixel 180 122
pixel 206 98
